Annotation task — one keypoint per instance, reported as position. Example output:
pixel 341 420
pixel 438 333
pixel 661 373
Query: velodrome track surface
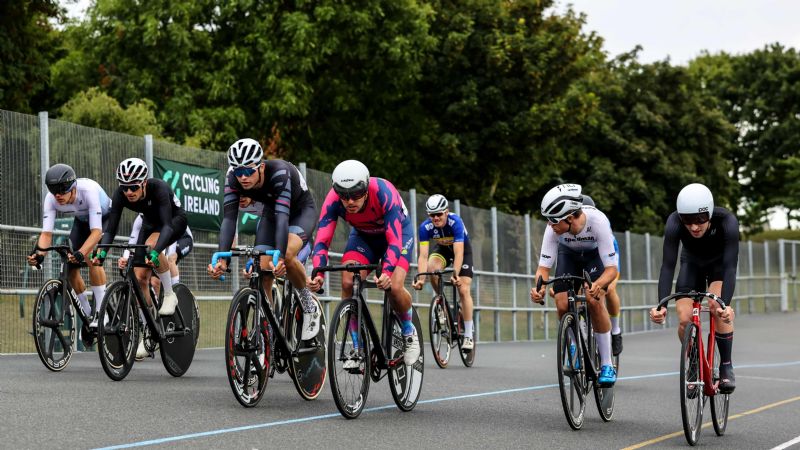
pixel 508 400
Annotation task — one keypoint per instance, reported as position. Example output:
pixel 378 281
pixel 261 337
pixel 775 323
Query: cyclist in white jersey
pixel 88 203
pixel 579 238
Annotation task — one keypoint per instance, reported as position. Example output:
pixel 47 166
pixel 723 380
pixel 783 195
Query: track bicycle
pixel 354 341
pixel 119 326
pixel 578 357
pixel 262 338
pixel 699 373
pixel 446 322
pixel 54 321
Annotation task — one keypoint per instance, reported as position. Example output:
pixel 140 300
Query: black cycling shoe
pixel 727 382
pixel 616 344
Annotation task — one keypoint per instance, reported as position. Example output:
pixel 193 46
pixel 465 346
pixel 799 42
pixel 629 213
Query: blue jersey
pixel 453 231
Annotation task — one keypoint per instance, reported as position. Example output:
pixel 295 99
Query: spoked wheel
pixel 177 352
pixel 53 326
pixel 405 381
pixel 307 368
pixel 117 331
pixel 247 350
pixel 719 402
pixel 150 342
pixel 441 332
pixel 603 396
pixel 691 385
pixel 350 385
pixel 467 356
pixel 572 381
pixel 277 300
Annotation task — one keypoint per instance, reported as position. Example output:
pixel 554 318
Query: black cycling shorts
pixel 571 262
pixel 302 223
pixel 696 275
pixel 447 255
pixel 178 229
pixel 77 237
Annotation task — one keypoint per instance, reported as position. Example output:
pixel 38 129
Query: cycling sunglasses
pixel 130 187
pixel 695 219
pixel 351 195
pixel 61 188
pixel 556 220
pixel 439 214
pixel 244 171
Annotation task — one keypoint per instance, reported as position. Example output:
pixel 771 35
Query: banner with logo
pixel 199 190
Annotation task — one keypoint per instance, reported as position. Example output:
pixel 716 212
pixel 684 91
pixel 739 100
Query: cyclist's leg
pixel 356 251
pixel 435 262
pixel 690 278
pixel 80 231
pixel 301 227
pixel 465 274
pixel 723 335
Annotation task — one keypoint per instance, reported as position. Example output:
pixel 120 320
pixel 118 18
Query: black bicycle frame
pixel 67 290
pixel 441 292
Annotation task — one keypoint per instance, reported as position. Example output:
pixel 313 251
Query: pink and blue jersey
pixel 381 228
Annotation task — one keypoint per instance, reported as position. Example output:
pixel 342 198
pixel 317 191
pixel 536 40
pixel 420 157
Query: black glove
pixel 78 257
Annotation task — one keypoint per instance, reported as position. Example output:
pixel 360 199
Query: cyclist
pixel 88 202
pixel 288 220
pixel 612 297
pixel 580 238
pixel 710 238
pixel 381 230
pixel 175 252
pixel 452 246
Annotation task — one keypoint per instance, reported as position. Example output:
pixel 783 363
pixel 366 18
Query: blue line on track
pixel 380 408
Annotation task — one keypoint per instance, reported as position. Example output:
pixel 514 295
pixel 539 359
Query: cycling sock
pixel 166 282
pixel 98 292
pixel 307 301
pixel 725 344
pixel 615 325
pixel 176 280
pixel 468 328
pixel 84 303
pixel 604 346
pixel 405 319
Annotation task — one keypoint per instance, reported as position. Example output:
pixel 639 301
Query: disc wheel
pixel 350 386
pixel 405 381
pixel 177 352
pixel 117 331
pixel 691 388
pixel 308 368
pixel 247 350
pixel 53 326
pixel 572 381
pixel 440 331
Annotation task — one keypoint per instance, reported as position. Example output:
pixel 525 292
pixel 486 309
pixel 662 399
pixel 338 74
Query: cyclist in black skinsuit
pixel 710 238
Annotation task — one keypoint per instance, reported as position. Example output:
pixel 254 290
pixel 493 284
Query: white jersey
pixel 91 204
pixel 596 234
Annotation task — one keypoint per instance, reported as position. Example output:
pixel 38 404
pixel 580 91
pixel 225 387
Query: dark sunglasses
pixel 130 187
pixel 244 171
pixel 695 219
pixel 351 195
pixel 439 214
pixel 61 188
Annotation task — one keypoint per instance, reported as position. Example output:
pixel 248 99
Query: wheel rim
pixel 349 386
pixel 248 383
pixel 719 402
pixel 440 332
pixel 308 370
pixel 119 321
pixel 691 402
pixel 53 343
pixel 571 379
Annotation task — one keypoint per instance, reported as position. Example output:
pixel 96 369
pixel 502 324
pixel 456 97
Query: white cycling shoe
pixel 411 344
pixel 310 324
pixel 168 307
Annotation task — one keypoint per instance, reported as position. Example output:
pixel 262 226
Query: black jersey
pixel 718 246
pixel 158 206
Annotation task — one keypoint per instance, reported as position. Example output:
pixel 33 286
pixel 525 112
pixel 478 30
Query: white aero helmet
pixel 131 171
pixel 695 204
pixel 561 201
pixel 436 203
pixel 350 179
pixel 244 153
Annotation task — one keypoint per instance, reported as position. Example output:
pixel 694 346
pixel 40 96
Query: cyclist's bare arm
pixel 422 264
pixel 538 296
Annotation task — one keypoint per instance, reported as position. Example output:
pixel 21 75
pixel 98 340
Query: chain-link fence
pixel 505 247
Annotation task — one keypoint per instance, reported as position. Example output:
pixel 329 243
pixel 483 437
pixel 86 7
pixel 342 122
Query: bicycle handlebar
pixel 585 278
pixel 245 251
pixel 694 295
pixel 344 268
pixel 62 250
pixel 434 273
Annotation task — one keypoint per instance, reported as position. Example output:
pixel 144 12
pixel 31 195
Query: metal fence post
pixel 628 264
pixel 303 170
pixel 44 150
pixel 457 207
pixel 476 313
pixel 148 152
pixel 752 274
pixel 784 276
pixel 648 264
pixel 412 198
pixel 528 268
pixel 495 269
pixel 513 309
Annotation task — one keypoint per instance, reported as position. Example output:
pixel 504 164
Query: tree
pixel 94 108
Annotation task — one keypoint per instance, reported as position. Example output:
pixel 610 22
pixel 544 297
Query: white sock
pixel 98 292
pixel 615 325
pixel 176 279
pixel 166 282
pixel 604 346
pixel 468 324
pixel 84 303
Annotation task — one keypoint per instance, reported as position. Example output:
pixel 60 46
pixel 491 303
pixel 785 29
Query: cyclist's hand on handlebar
pixel 384 281
pixel 122 263
pixel 98 257
pixel 537 296
pixel 35 258
pixel 455 280
pixel 280 269
pixel 315 284
pixel 596 291
pixel 419 283
pixel 725 314
pixel 219 270
pixel 657 316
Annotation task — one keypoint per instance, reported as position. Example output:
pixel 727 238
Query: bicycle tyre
pixel 603 396
pixel 719 402
pixel 350 387
pixel 572 381
pixel 283 317
pixel 441 335
pixel 48 306
pixel 307 370
pixel 467 357
pixel 247 382
pixel 691 403
pixel 177 353
pixel 405 382
pixel 117 331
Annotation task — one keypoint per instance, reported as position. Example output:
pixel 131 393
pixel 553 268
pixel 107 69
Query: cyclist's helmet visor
pixel 695 219
pixel 61 188
pixel 355 192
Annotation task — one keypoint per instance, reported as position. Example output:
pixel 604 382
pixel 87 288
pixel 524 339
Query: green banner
pixel 198 188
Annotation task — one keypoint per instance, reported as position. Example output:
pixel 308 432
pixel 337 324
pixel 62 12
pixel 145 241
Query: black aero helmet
pixel 59 179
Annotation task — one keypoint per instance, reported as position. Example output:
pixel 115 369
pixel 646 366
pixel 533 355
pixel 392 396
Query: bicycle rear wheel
pixel 405 381
pixel 177 352
pixel 572 381
pixel 719 402
pixel 117 331
pixel 603 396
pixel 247 350
pixel 440 330
pixel 53 326
pixel 307 370
pixel 691 387
pixel 350 386
pixel 467 357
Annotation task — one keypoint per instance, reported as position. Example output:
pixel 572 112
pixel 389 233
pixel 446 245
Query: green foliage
pixel 774 235
pixel 94 108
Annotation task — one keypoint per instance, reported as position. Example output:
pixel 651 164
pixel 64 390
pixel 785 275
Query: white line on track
pixel 787 444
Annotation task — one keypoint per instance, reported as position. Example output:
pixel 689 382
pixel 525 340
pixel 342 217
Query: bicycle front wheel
pixel 691 385
pixel 247 349
pixel 53 326
pixel 117 331
pixel 467 356
pixel 441 333
pixel 307 370
pixel 572 381
pixel 719 402
pixel 348 360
